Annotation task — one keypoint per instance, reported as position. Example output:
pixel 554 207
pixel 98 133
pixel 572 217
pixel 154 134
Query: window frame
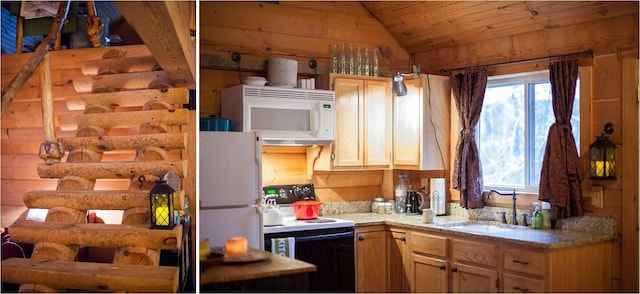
pixel 530 79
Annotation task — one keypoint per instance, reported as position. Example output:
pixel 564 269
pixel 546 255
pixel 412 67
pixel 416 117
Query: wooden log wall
pixel 22 131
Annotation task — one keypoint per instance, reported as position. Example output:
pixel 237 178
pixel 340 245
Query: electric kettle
pixel 415 201
pixel 271 215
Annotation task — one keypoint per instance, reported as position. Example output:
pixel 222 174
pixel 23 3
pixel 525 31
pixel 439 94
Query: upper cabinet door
pixel 348 146
pixel 407 122
pixel 421 124
pixel 377 116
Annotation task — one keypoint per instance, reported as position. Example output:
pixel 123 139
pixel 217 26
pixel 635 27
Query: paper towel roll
pixel 438 196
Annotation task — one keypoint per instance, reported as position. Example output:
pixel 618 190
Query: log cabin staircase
pixel 126 106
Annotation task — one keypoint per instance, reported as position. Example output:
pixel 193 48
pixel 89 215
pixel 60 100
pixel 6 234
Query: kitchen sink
pixel 482 228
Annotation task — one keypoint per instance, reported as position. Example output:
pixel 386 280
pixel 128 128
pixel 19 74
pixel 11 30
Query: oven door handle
pixel 325 236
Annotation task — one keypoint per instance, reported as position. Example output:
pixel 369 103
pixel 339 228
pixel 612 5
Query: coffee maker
pixel 415 202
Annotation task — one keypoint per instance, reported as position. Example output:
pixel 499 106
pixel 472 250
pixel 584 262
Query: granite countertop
pixel 454 225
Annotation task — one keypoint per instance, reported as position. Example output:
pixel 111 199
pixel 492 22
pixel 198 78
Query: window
pixel 513 128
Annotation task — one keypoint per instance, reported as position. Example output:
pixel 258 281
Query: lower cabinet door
pixel 429 275
pixel 515 283
pixel 371 261
pixel 474 279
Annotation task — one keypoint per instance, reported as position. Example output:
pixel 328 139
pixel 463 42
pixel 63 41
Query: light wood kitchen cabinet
pixel 439 262
pixel 363 123
pixel 421 124
pixel 524 269
pixel 474 266
pixel 397 242
pixel 428 266
pixel 371 259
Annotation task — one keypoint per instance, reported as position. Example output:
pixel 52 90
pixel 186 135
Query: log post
pixel 9 93
pixel 50 150
pixel 20 35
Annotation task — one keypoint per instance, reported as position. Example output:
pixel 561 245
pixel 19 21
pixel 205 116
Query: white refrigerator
pixel 230 187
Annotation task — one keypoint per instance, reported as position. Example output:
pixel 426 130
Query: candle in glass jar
pixel 600 168
pixel 162 215
pixel 236 246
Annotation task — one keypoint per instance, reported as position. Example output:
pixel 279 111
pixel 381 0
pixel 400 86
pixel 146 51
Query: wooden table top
pixel 276 265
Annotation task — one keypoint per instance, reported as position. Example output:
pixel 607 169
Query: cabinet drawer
pixel 524 261
pixel 429 244
pixel 475 252
pixel 514 283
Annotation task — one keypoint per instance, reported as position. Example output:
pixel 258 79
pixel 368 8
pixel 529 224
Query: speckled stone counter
pixel 454 225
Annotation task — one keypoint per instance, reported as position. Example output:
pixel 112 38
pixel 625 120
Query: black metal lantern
pixel 161 206
pixel 602 155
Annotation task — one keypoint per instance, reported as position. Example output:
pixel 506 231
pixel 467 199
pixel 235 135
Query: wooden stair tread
pixel 128 98
pixel 91 276
pixel 121 82
pixel 96 235
pixel 123 119
pixel 95 199
pixel 113 169
pixel 119 65
pixel 130 142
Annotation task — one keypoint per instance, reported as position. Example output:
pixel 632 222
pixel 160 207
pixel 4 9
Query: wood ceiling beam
pixel 165 27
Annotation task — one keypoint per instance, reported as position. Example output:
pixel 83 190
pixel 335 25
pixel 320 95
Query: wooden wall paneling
pixel 284 165
pixel 630 172
pixel 69 59
pixel 347 185
pixel 20 166
pixel 344 194
pixel 29 114
pixel 310 38
pixel 61 85
pixel 597 35
pixel 585 74
pixel 211 83
pixel 266 17
pixel 13 190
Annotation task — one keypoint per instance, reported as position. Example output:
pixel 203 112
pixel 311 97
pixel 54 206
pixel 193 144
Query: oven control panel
pixel 287 194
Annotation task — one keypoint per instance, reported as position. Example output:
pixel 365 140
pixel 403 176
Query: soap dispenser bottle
pixel 536 219
pixel 546 215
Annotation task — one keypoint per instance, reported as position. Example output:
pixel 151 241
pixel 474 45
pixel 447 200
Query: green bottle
pixel 537 218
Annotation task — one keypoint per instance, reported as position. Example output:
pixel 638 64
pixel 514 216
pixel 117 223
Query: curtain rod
pixel 588 51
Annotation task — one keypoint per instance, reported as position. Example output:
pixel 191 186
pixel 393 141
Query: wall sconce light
pixel 399 88
pixel 161 206
pixel 602 156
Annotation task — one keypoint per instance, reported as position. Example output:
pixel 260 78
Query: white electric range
pixel 287 194
pixel 328 243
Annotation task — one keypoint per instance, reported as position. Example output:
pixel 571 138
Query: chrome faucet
pixel 514 196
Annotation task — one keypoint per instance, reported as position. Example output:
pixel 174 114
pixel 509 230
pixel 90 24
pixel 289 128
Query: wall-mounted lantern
pixel 161 206
pixel 602 156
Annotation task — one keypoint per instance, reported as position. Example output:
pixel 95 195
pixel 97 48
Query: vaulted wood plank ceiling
pixel 429 25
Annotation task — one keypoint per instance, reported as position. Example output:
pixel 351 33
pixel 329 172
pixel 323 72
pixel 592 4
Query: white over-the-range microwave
pixel 283 116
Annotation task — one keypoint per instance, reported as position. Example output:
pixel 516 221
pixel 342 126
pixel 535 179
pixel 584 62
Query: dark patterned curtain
pixel 561 174
pixel 468 90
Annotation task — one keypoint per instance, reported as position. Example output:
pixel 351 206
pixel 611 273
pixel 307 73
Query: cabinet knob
pixel 521 289
pixel 360 238
pixel 443 267
pixel 454 269
pixel 403 239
